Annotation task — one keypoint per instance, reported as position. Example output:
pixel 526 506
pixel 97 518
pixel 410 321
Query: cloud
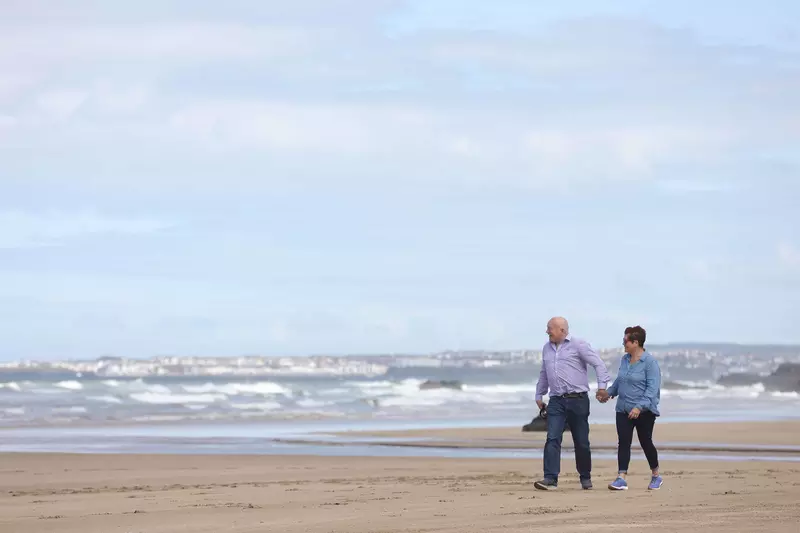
pixel 6 124
pixel 620 150
pixel 701 269
pixel 20 229
pixel 685 186
pixel 14 84
pixel 61 103
pixel 100 100
pixel 316 12
pixel 354 183
pixel 584 101
pixel 112 99
pixel 285 126
pixel 155 36
pixel 51 47
pixel 789 255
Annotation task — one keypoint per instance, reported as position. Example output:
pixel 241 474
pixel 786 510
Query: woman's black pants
pixel 644 429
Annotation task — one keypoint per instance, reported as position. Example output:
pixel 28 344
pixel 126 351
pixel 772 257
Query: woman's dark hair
pixel 636 333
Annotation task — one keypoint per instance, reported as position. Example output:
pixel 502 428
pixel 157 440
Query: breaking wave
pixel 157 398
pixel 70 385
pixel 175 398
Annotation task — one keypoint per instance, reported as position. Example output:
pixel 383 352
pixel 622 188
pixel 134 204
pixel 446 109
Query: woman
pixel 638 391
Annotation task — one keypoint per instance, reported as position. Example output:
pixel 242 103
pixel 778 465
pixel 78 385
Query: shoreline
pixel 778 436
pixel 695 441
pixel 775 438
pixel 508 421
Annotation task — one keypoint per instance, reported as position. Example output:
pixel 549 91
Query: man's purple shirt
pixel 565 369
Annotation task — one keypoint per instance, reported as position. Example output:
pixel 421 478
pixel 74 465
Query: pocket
pixel 581 406
pixel 638 371
pixel 556 407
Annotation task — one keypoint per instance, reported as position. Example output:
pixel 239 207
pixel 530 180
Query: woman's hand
pixel 634 413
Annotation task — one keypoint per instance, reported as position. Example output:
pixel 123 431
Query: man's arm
pixel 652 384
pixel 542 386
pixel 590 357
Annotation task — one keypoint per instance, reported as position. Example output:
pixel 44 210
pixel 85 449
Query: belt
pixel 572 395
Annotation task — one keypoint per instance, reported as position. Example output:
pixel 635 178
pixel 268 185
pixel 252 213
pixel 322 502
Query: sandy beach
pixel 193 493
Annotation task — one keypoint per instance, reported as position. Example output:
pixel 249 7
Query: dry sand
pixel 159 494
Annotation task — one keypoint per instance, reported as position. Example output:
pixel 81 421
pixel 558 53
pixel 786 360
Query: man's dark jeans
pixel 561 410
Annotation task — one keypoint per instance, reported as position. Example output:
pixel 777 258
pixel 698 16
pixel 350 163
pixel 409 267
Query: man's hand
pixel 540 403
pixel 634 413
pixel 602 395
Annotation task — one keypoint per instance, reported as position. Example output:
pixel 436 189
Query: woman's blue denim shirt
pixel 637 385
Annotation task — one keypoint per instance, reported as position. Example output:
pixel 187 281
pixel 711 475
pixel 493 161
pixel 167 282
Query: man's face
pixel 555 332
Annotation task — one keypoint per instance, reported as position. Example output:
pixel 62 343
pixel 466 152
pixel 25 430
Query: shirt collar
pixel 568 338
pixel 645 356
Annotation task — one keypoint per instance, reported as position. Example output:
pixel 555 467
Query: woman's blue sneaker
pixel 618 484
pixel 655 483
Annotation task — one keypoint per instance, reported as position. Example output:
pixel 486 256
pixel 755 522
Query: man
pixel 565 361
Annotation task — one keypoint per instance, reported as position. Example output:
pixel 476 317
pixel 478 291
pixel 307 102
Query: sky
pixel 355 177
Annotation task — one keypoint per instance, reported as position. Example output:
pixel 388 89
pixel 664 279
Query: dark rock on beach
pixel 674 385
pixel 786 378
pixel 740 379
pixel 443 384
pixel 539 423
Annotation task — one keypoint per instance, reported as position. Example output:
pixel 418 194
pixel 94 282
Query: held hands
pixel 602 395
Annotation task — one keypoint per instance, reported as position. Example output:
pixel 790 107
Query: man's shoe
pixel 586 484
pixel 546 484
pixel 618 484
pixel 655 483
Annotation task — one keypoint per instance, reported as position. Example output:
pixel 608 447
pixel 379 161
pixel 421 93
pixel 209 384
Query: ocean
pixel 219 414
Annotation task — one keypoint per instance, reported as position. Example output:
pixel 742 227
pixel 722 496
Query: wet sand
pixel 774 437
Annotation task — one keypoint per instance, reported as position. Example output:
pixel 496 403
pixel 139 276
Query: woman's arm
pixel 652 384
pixel 614 388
